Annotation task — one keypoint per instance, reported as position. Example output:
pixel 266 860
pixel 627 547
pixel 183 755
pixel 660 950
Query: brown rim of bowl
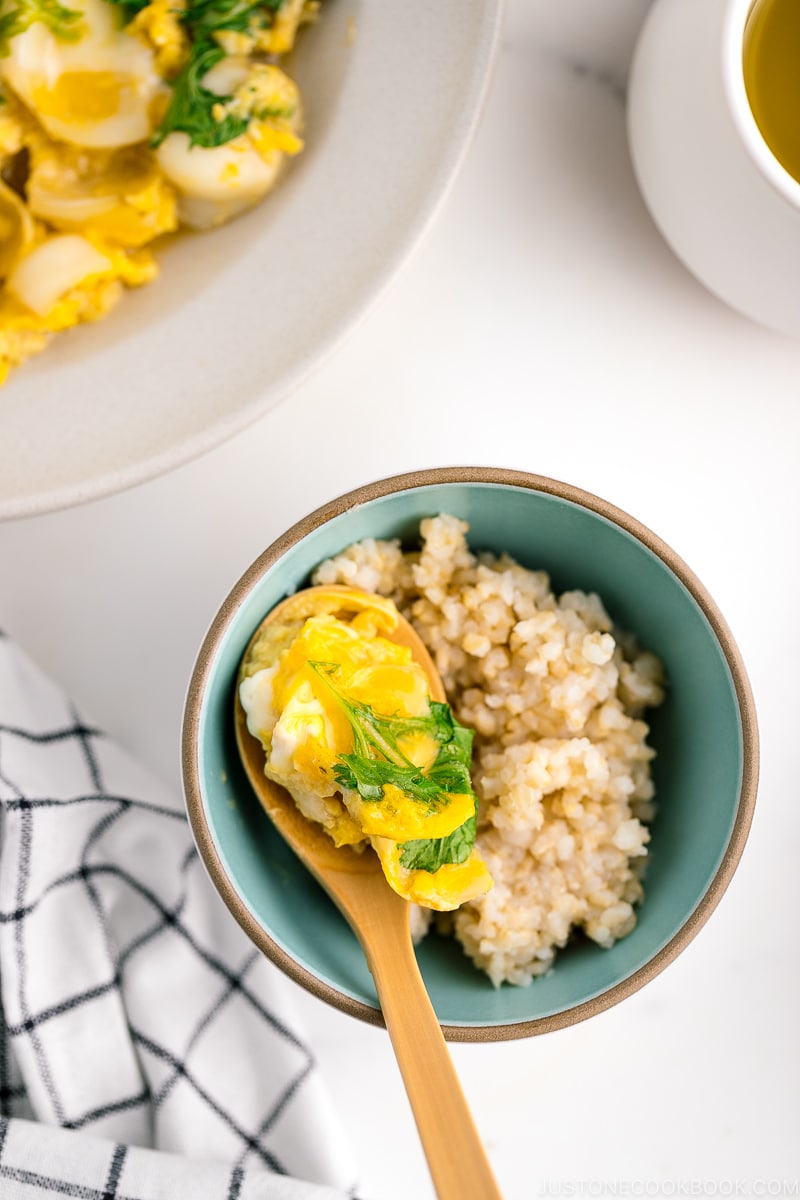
pixel 511 478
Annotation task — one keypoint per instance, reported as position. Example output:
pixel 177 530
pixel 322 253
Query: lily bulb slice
pixel 16 228
pixel 214 183
pixel 94 89
pixel 121 195
pixel 54 268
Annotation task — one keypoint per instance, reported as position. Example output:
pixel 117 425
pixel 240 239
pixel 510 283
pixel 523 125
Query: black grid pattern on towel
pixel 101 813
pixel 104 1170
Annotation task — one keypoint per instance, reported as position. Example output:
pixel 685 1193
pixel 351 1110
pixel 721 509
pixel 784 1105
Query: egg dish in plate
pixel 122 121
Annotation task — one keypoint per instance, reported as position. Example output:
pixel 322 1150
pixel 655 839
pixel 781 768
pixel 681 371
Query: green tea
pixel 771 59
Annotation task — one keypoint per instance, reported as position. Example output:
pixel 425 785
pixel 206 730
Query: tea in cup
pixel 714 133
pixel 771 62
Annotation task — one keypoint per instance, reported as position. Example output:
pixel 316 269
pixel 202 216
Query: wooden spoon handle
pixel 456 1158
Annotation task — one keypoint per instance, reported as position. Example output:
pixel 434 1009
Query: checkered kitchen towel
pixel 146 1051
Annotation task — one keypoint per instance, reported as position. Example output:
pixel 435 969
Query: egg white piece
pixel 96 91
pixel 303 720
pixel 256 695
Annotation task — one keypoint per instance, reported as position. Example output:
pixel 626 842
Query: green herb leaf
pixel 192 105
pixel 61 21
pixel 204 18
pixel 428 854
pixel 129 8
pixel 369 776
pixel 377 732
pixel 377 761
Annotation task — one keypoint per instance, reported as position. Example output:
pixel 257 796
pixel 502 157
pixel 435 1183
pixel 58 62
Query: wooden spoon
pixel 379 918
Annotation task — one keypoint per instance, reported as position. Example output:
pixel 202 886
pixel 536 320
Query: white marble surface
pixel 542 325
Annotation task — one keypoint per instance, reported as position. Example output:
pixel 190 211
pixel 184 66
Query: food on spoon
pixel 349 729
pixel 123 120
pixel 555 694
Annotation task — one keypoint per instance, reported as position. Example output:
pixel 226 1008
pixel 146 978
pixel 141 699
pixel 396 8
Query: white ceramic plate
pixel 241 315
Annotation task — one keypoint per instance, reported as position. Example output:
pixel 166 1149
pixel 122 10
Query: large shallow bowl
pixel 704 734
pixel 240 316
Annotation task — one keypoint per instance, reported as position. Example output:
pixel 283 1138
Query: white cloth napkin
pixel 146 1050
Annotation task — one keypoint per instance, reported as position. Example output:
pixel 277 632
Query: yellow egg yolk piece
pixel 159 25
pixel 348 728
pixel 433 889
pixel 78 96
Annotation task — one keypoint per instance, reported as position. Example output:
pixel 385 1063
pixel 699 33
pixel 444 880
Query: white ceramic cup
pixel 723 202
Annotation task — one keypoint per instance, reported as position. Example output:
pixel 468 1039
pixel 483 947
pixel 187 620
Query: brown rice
pixel 561 765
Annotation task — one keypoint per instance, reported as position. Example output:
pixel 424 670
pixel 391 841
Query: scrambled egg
pixel 345 719
pixel 122 121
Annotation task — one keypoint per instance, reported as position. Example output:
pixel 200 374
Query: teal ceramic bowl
pixel 704 734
